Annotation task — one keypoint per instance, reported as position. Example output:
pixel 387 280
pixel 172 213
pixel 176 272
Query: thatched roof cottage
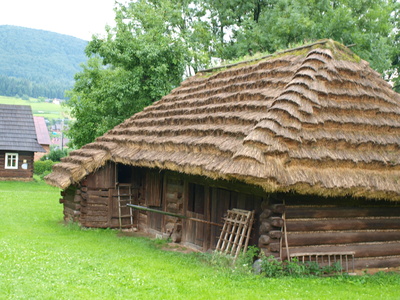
pixel 308 138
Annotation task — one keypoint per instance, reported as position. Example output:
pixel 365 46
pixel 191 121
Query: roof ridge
pixel 305 72
pixel 319 42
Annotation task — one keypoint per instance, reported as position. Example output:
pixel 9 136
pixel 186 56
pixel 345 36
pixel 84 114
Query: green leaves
pixel 138 62
pixel 371 25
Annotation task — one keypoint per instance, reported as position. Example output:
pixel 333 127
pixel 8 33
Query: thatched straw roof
pixel 315 119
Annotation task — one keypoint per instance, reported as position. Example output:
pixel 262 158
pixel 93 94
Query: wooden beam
pixel 342 224
pixel 340 237
pixel 340 212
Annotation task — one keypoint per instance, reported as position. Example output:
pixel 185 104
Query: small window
pixel 196 199
pixel 11 161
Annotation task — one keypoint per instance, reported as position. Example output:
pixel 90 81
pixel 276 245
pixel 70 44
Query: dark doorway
pixel 124 173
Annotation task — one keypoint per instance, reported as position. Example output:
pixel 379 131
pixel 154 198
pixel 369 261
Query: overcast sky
pixel 79 18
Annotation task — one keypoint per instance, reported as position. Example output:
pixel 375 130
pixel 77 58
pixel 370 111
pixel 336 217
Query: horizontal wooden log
pixel 96 219
pixel 269 253
pixel 361 250
pixel 264 240
pixel 103 193
pixel 381 262
pixel 275 221
pixel 342 224
pixel 96 199
pixel 265 227
pixel 72 205
pixel 61 200
pixel 103 208
pixel 340 212
pixel 71 212
pixel 278 208
pixel 78 198
pixel 321 238
pixel 274 247
pixel 265 214
pixel 275 234
pixel 97 213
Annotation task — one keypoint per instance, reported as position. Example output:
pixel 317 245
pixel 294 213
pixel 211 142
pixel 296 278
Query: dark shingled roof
pixel 17 129
pixel 312 120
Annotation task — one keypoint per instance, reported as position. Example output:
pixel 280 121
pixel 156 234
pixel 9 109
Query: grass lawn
pixel 40 258
pixel 47 110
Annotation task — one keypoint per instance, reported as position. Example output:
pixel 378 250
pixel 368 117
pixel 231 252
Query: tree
pixel 371 25
pixel 139 61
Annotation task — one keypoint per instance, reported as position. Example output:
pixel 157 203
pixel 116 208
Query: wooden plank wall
pixel 17 173
pixel 96 193
pixel 370 229
pixel 95 211
pixel 223 199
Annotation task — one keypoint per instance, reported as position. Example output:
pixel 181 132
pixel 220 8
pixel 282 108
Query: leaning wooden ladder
pixel 125 198
pixel 235 233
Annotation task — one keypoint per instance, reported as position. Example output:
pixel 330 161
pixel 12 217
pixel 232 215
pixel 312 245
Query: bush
pixel 271 267
pixel 55 155
pixel 254 261
pixel 42 168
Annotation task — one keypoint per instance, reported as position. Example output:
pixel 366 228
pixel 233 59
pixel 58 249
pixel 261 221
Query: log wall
pixel 17 174
pixel 271 227
pixel 370 229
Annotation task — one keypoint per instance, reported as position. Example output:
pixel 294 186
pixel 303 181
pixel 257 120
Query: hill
pixel 38 63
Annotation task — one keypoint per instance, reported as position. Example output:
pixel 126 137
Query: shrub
pixel 271 267
pixel 55 155
pixel 42 168
pixel 295 268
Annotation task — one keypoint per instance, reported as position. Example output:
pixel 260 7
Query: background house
pixel 18 142
pixel 43 136
pixel 308 138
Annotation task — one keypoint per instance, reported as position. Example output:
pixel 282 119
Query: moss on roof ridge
pixel 339 52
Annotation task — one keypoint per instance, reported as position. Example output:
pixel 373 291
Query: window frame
pixel 14 157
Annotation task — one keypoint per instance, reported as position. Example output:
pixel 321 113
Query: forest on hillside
pixel 38 63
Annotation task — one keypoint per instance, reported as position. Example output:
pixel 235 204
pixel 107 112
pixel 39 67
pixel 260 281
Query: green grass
pixel 40 258
pixel 47 110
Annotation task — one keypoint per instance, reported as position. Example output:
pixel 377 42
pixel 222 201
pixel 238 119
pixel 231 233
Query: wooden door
pixel 154 198
pixel 220 203
pixel 196 232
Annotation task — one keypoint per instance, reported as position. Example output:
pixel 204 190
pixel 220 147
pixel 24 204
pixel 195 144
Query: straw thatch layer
pixel 316 119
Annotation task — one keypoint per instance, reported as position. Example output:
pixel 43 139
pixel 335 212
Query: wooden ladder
pixel 236 231
pixel 125 198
